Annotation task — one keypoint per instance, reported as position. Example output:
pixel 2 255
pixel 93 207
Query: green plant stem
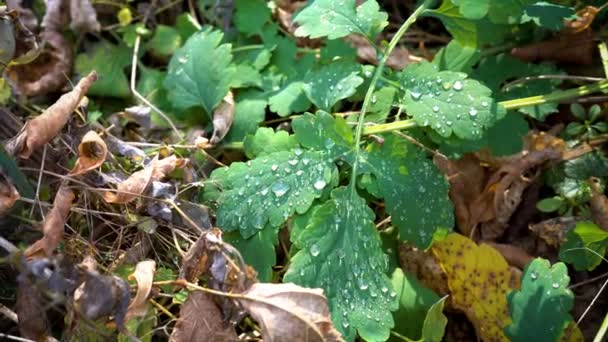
pixel 377 74
pixel 247 48
pixel 602 331
pixel 604 55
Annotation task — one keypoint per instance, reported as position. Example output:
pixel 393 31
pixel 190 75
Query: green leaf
pixel 165 42
pixel 337 48
pixel 593 164
pixel 578 111
pixel 337 19
pixel 456 57
pixel 498 11
pixel 200 72
pixel 540 308
pixel 415 305
pixel 109 61
pixel 186 25
pixel 548 15
pixel 585 246
pixel 414 190
pixel 323 132
pixel 340 253
pixel 257 251
pixel 290 99
pixel 269 189
pixel 327 85
pixel 10 168
pixel 448 101
pixel 249 111
pixel 266 141
pixel 551 204
pixel 246 76
pixel 251 15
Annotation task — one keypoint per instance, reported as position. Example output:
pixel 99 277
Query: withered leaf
pixel 200 319
pixel 92 152
pixel 33 323
pixel 222 118
pixel 8 195
pixel 598 204
pixel 53 226
pixel 144 274
pixel 288 312
pixel 553 231
pixel 575 48
pixel 84 17
pixel 584 18
pixel 46 126
pixel 139 182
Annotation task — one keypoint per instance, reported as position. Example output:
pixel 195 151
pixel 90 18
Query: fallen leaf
pixel 119 147
pixel 46 126
pixel 92 152
pixel 514 255
pixel 598 204
pixel 49 70
pixel 288 312
pixel 553 231
pixel 140 181
pixel 576 48
pixel 222 118
pixel 200 319
pixel 399 58
pixel 8 195
pixel 144 274
pixel 424 266
pixel 584 18
pixel 84 17
pixel 479 279
pixel 31 311
pixel 53 226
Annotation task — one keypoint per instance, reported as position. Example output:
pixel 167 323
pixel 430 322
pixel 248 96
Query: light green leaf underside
pixel 200 72
pixel 269 189
pixel 331 83
pixel 266 141
pixel 539 309
pixel 414 190
pixel 448 102
pixel 340 252
pixel 339 18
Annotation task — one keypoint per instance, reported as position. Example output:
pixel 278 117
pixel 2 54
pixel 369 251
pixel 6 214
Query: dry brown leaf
pixel 553 231
pixel 53 226
pixel 598 204
pixel 144 275
pixel 576 48
pixel 46 126
pixel 8 195
pixel 514 255
pixel 399 58
pixel 288 312
pixel 201 320
pixel 92 152
pixel 84 17
pixel 31 311
pixel 141 180
pixel 423 265
pixel 222 118
pixel 584 18
pixel 49 71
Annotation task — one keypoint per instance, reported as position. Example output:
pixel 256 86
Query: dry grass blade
pixel 53 225
pixel 144 275
pixel 8 195
pixel 222 118
pixel 45 127
pixel 201 320
pixel 288 312
pixel 92 152
pixel 140 180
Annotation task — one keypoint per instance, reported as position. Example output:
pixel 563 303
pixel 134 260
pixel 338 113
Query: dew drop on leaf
pixel 458 86
pixel 533 275
pixel 280 189
pixel 274 167
pixel 415 95
pixel 435 109
pixel 320 184
pixel 484 103
pixel 473 112
pixel 555 285
pixel 315 250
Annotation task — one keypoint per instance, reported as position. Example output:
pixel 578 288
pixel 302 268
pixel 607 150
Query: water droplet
pixel 320 184
pixel 329 143
pixel 315 250
pixel 533 275
pixel 449 123
pixel 345 324
pixel 274 167
pixel 183 60
pixel 293 161
pixel 435 109
pixel 415 95
pixel 374 99
pixel 305 161
pixel 473 112
pixel 392 294
pixel 298 151
pixel 446 85
pixel 555 285
pixel 458 86
pixel 484 103
pixel 368 73
pixel 299 173
pixel 339 87
pixel 279 189
pixel 264 192
pixel 384 289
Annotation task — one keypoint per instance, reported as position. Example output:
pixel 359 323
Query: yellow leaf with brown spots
pixel 479 280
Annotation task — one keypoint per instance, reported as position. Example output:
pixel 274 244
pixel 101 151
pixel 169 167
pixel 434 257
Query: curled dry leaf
pixel 140 181
pixel 53 225
pixel 47 72
pixel 144 275
pixel 553 231
pixel 222 118
pixel 92 152
pixel 8 195
pixel 46 126
pixel 200 319
pixel 584 18
pixel 288 312
pixel 598 204
pixel 119 147
pixel 31 311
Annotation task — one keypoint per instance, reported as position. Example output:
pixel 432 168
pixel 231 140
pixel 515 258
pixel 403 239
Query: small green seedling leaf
pixel 498 11
pixel 337 19
pixel 448 102
pixel 420 314
pixel 456 57
pixel 323 132
pixel 165 42
pixel 551 204
pixel 331 83
pixel 249 112
pixel 290 99
pixel 585 246
pixel 267 141
pixel 547 15
pixel 200 72
pixel 109 61
pixel 257 251
pixel 251 15
pixel 539 309
pixel 414 190
pixel 340 252
pixel 593 164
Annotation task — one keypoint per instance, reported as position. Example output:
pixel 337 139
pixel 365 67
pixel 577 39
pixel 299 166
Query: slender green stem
pixel 604 55
pixel 247 48
pixel 377 74
pixel 602 331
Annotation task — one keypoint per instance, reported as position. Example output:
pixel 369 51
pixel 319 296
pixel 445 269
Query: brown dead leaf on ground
pixel 53 226
pixel 144 275
pixel 43 128
pixel 140 181
pixel 222 118
pixel 514 255
pixel 47 73
pixel 575 48
pixel 288 312
pixel 8 195
pixel 584 18
pixel 424 266
pixel 553 231
pixel 598 204
pixel 31 311
pixel 92 152
pixel 200 319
